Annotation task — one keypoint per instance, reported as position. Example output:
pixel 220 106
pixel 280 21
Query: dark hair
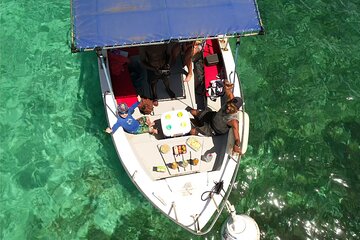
pixel 237 101
pixel 233 107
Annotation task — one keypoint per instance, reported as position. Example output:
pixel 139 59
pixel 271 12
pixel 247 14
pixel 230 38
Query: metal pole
pixel 101 57
pixel 236 57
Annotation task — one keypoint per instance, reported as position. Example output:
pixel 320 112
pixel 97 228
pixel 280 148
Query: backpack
pixel 216 89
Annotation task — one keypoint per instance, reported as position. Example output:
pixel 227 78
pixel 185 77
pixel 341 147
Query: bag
pixel 146 106
pixel 216 89
pixel 212 59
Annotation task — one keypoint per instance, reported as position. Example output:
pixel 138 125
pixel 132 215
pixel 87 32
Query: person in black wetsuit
pixel 156 60
pixel 211 123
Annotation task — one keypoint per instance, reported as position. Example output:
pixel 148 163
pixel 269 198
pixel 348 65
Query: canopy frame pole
pixel 240 85
pixel 236 58
pixel 103 65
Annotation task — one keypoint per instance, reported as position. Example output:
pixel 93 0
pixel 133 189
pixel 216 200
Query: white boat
pixel 193 194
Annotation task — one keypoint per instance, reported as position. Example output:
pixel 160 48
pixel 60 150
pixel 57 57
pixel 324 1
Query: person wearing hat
pixel 129 123
pixel 211 123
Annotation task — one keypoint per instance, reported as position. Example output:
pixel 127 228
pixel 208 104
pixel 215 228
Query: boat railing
pixel 236 158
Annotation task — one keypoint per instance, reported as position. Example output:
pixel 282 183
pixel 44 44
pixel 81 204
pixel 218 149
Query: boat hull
pixel 186 196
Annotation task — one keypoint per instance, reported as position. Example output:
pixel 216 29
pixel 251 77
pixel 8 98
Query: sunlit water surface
pixel 60 176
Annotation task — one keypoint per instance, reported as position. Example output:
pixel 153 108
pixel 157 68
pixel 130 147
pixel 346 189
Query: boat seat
pixel 124 90
pixel 211 72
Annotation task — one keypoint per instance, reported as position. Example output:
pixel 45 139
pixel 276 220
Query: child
pixel 130 124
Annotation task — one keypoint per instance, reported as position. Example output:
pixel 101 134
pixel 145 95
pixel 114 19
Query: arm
pixel 228 90
pixel 114 128
pixel 132 108
pixel 235 127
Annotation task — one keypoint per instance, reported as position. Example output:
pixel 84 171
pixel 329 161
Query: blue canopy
pixel 116 23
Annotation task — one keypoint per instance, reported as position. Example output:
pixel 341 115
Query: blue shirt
pixel 129 124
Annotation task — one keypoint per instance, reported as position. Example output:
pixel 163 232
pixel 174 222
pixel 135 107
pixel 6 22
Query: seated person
pixel 211 123
pixel 130 124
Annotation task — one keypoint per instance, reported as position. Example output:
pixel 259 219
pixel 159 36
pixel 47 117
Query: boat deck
pixel 146 145
pixel 177 191
pixel 130 72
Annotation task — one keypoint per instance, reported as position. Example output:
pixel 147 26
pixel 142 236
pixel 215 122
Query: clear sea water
pixel 300 179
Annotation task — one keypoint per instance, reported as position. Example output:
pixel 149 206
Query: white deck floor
pixel 146 146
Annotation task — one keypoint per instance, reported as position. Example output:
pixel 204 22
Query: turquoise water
pixel 60 176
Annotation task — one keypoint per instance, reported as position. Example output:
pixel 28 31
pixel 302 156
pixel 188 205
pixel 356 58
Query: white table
pixel 175 123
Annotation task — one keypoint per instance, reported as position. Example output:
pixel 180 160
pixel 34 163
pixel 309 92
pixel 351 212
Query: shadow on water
pixel 89 93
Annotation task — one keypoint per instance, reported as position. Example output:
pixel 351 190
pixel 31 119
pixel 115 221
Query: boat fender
pixel 240 227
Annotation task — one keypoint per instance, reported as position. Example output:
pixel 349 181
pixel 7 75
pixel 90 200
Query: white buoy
pixel 239 227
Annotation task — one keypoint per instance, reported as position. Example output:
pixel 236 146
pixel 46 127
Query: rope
pixel 216 189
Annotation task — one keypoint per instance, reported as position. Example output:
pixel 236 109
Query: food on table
pixel 174 165
pixel 193 143
pixel 184 163
pixel 164 148
pixel 194 161
pixel 179 149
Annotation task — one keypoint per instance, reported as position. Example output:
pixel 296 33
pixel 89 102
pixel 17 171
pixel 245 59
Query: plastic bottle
pixel 160 169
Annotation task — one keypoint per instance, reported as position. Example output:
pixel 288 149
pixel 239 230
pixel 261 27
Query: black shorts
pixel 205 118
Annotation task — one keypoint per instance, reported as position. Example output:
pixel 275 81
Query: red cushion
pixel 211 72
pixel 122 85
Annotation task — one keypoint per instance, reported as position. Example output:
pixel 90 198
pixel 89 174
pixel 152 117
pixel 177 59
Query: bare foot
pixel 153 131
pixel 149 123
